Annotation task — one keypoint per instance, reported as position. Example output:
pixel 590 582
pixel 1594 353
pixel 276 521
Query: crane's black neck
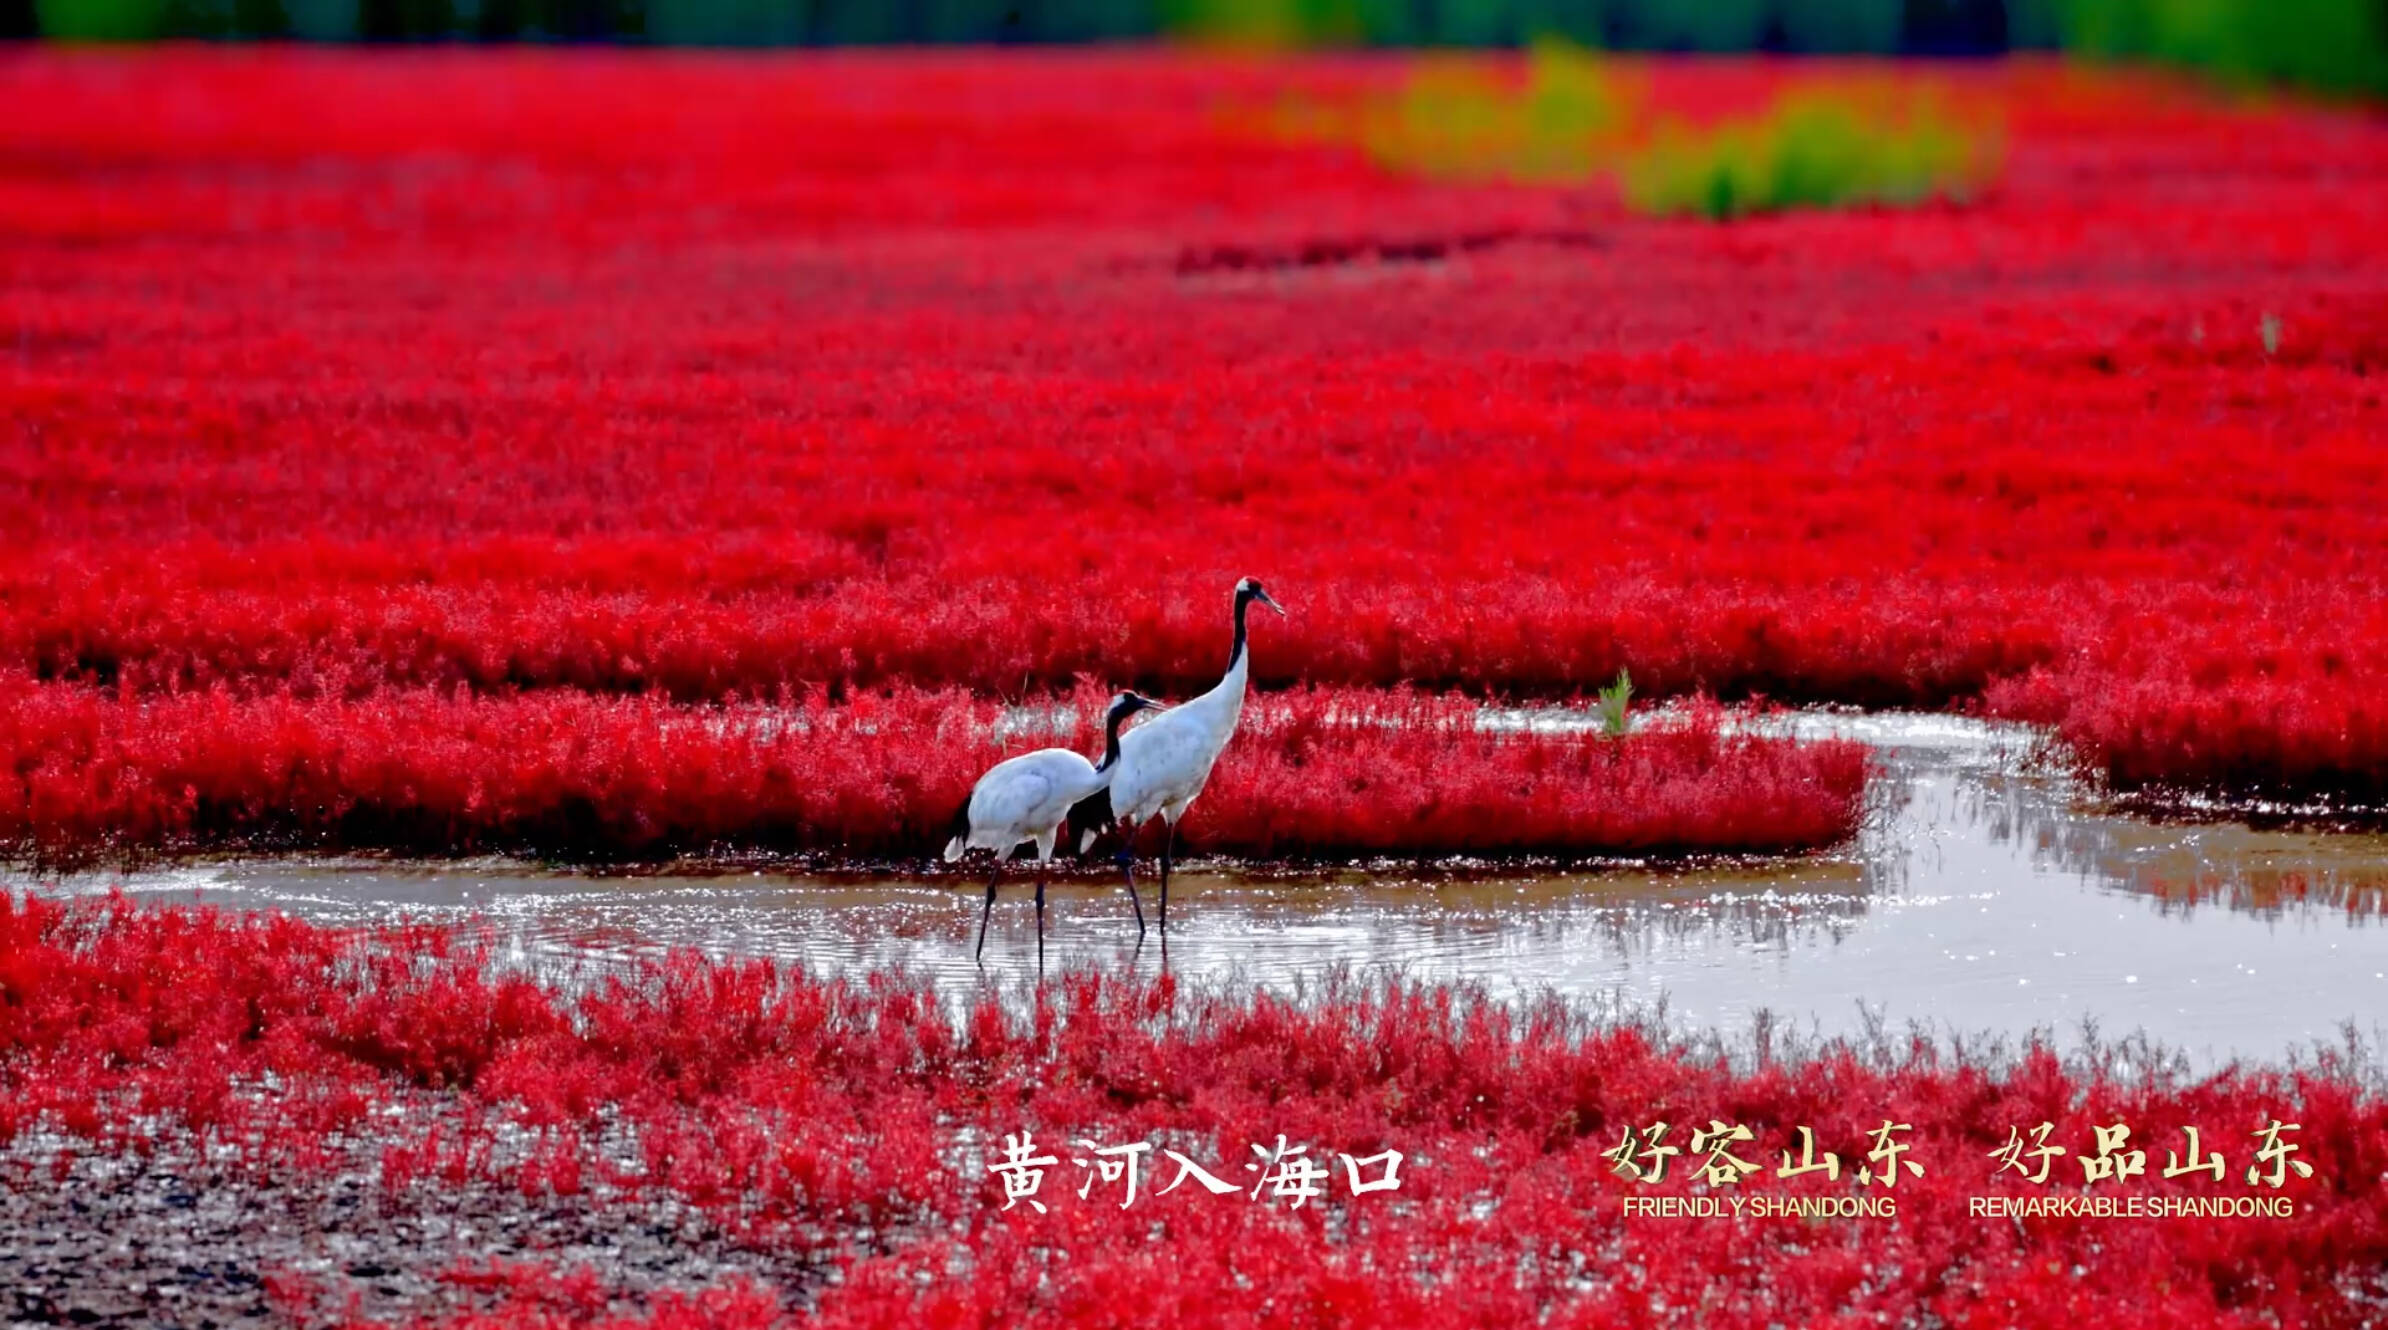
pixel 1111 724
pixel 1243 602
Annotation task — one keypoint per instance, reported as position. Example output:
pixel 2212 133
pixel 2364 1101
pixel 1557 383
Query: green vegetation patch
pixel 1575 117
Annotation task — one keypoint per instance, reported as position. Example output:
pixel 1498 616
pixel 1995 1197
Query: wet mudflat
pixel 1986 895
pixel 181 1237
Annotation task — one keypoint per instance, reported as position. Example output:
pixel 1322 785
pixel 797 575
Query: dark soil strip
pixel 171 1241
pixel 1338 251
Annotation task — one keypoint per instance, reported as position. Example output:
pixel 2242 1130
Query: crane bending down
pixel 1026 798
pixel 1164 763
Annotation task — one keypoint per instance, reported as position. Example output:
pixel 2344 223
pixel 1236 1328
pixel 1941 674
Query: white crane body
pixel 1165 762
pixel 1027 799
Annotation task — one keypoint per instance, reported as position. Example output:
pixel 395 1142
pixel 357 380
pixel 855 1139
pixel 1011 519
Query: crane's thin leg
pixel 1128 861
pixel 1166 847
pixel 1040 920
pixel 986 910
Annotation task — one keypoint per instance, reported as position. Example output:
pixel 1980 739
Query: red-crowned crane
pixel 1164 763
pixel 1026 798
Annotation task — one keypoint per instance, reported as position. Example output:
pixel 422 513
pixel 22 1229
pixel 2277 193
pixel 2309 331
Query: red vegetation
pixel 704 377
pixel 801 1114
pixel 85 772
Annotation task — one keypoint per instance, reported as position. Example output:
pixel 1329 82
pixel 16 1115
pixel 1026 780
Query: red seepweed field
pixel 1327 775
pixel 646 457
pixel 476 385
pixel 834 1137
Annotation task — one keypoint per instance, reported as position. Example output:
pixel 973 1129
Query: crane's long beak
pixel 1265 599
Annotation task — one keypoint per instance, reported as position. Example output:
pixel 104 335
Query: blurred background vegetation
pixel 2333 46
pixel 1846 136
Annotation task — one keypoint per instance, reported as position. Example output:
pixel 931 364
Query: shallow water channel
pixel 1984 896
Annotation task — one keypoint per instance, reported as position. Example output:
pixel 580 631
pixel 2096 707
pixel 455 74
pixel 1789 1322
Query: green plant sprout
pixel 1614 700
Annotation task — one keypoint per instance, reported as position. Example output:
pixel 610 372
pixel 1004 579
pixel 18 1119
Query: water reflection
pixel 1982 895
pixel 2253 871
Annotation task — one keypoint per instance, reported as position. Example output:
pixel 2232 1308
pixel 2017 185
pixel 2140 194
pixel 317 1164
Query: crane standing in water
pixel 1164 763
pixel 1027 798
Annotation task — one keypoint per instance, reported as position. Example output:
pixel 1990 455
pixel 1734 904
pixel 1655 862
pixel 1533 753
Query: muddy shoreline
pixel 171 1237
